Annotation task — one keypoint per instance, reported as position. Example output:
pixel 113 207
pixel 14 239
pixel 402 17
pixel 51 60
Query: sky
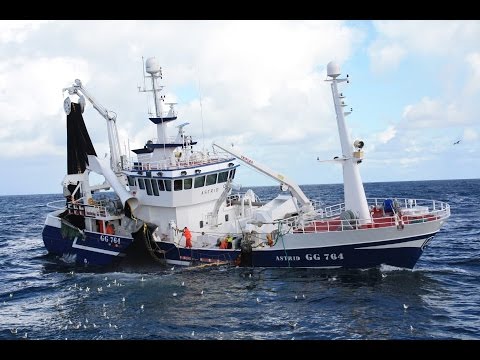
pixel 414 89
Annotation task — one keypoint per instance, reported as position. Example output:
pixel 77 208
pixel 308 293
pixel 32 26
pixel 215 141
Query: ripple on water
pixel 50 300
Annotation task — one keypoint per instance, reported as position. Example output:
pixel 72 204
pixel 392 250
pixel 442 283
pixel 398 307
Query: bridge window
pixel 222 177
pixel 161 185
pixel 199 181
pixel 211 179
pixel 141 183
pixel 155 187
pixel 177 185
pixel 149 186
pixel 168 185
pixel 187 183
pixel 232 174
pixel 131 180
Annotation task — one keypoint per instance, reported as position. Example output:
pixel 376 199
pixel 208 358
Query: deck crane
pixel 285 183
pixel 117 161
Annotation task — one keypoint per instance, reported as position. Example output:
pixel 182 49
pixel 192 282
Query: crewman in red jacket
pixel 188 237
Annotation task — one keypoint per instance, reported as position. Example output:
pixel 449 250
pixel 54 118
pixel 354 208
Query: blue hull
pixel 95 249
pixel 366 255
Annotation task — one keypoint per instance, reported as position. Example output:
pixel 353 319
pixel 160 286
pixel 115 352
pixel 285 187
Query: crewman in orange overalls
pixel 110 229
pixel 188 237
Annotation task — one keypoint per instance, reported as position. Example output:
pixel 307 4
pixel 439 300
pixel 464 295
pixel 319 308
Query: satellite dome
pixel 152 66
pixel 333 69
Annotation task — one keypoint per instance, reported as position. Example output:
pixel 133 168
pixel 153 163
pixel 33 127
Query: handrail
pixel 328 219
pixel 172 165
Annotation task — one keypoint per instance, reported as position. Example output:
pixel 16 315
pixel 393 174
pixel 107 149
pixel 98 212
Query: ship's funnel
pixel 96 165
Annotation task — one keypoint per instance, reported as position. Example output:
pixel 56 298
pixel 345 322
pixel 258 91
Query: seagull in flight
pixel 457 142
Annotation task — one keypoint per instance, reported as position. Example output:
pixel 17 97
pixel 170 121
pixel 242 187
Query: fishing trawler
pixel 178 203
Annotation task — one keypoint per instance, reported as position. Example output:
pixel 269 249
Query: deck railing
pixel 174 164
pixel 408 211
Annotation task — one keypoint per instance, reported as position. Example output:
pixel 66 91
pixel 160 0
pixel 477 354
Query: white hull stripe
pixel 88 248
pixel 178 262
pixel 414 243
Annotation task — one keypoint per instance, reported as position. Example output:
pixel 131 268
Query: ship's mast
pixel 354 191
pixel 153 68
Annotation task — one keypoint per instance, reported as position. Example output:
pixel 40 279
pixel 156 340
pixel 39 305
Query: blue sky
pixel 414 91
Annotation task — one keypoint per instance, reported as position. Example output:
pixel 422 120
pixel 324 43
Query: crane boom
pixel 306 204
pixel 113 140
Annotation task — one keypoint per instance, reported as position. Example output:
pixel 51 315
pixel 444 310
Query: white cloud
pixel 261 81
pixel 430 113
pixel 437 37
pixel 473 84
pixel 397 38
pixel 387 135
pixel 31 105
pixel 19 148
pixel 385 57
pixel 18 30
pixel 470 134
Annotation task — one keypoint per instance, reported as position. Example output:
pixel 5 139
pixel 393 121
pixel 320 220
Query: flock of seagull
pixel 79 325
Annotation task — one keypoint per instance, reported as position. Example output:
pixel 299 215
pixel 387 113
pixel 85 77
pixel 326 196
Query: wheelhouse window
pixel 168 185
pixel 187 183
pixel 199 181
pixel 232 174
pixel 222 177
pixel 149 187
pixel 211 179
pixel 141 183
pixel 155 187
pixel 131 180
pixel 161 185
pixel 177 185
